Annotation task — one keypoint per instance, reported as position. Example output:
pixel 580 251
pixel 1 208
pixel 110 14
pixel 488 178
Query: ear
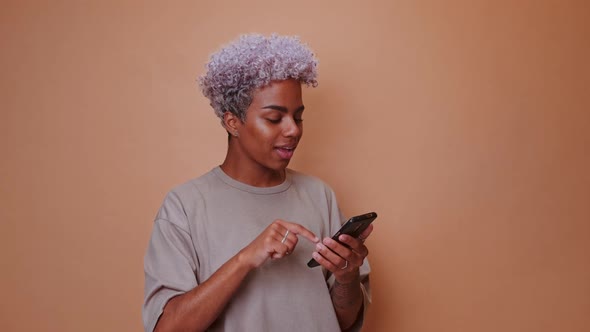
pixel 231 123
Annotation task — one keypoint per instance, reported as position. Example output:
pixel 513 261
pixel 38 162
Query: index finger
pixel 299 230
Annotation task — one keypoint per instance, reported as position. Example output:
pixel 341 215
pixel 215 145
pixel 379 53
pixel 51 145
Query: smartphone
pixel 353 227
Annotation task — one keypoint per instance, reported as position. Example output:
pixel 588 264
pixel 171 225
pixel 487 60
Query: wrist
pixel 244 262
pixel 348 278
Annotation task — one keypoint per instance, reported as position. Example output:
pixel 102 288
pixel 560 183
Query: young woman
pixel 229 250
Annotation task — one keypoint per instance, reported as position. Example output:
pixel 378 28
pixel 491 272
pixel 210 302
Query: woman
pixel 229 249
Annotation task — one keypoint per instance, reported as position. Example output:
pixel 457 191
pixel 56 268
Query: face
pixel 273 127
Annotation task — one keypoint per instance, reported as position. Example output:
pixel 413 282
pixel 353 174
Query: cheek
pixel 270 130
pixel 263 133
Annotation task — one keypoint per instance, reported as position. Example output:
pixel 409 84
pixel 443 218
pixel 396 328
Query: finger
pixel 280 250
pixel 289 243
pixel 355 257
pixel 279 232
pixel 278 255
pixel 365 234
pixel 285 236
pixel 336 256
pixel 327 264
pixel 274 244
pixel 298 230
pixel 355 244
pixel 283 244
pixel 362 237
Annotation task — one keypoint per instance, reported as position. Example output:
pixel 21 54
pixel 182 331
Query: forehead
pixel 281 93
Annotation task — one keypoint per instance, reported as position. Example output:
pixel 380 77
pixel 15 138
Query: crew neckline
pixel 252 189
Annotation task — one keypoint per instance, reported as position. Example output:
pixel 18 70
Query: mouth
pixel 286 152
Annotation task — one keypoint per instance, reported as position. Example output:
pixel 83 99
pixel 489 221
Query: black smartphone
pixel 353 227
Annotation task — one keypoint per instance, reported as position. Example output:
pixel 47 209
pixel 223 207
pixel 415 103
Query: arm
pixel 344 263
pixel 186 312
pixel 348 300
pixel 198 308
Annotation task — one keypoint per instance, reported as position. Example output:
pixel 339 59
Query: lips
pixel 285 152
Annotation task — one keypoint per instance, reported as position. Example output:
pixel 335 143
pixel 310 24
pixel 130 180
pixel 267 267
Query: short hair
pixel 253 61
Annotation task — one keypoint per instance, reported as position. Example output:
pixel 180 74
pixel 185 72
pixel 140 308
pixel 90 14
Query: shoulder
pixel 182 200
pixel 321 195
pixel 305 179
pixel 195 188
pixel 310 183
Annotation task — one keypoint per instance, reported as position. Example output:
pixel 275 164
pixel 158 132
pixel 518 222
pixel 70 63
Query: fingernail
pixel 319 246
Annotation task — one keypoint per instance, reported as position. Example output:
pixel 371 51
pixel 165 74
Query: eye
pixel 298 120
pixel 272 120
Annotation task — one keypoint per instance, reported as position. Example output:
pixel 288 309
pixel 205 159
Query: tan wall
pixel 465 124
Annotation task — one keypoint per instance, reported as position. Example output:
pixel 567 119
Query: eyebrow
pixel 283 109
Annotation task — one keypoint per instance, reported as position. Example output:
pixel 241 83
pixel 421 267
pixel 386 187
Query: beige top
pixel 206 221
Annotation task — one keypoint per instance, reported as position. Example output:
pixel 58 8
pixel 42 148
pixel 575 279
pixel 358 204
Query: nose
pixel 292 128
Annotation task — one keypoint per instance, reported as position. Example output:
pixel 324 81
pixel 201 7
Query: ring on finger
pixel 345 265
pixel 285 237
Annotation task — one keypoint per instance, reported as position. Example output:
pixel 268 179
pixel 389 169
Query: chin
pixel 279 167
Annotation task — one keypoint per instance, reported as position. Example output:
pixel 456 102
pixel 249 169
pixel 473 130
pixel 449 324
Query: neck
pixel 246 172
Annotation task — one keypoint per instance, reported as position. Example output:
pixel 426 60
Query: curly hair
pixel 250 62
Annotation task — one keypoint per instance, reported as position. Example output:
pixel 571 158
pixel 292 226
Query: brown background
pixel 464 124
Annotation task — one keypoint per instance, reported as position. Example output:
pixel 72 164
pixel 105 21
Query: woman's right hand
pixel 276 241
pixel 198 308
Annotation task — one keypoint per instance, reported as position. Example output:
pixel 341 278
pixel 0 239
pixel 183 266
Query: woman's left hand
pixel 343 262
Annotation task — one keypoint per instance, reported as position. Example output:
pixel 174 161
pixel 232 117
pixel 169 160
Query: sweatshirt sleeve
pixel 170 261
pixel 337 220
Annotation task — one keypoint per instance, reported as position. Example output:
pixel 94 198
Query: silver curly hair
pixel 253 61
